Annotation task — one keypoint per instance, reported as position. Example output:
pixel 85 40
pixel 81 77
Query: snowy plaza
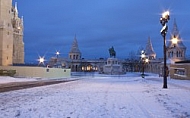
pixel 99 96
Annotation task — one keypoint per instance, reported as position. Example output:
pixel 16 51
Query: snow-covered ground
pixel 6 79
pixel 100 96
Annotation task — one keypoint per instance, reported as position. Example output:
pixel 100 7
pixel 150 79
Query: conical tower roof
pixel 149 49
pixel 175 34
pixel 75 48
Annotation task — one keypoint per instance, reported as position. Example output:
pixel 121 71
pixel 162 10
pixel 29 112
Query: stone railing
pixel 7 73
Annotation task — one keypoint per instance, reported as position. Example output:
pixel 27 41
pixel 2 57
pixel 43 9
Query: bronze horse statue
pixel 112 52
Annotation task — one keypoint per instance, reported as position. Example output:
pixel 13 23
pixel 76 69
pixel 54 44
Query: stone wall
pixel 41 72
pixel 180 71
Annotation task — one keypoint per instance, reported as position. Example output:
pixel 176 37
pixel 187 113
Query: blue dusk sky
pixel 51 25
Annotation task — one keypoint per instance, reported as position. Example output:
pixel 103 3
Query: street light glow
pixel 165 14
pixel 143 54
pixel 146 60
pixel 57 53
pixel 41 60
pixel 174 40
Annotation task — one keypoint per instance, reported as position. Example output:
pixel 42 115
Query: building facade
pixel 11 34
pixel 76 63
pixel 149 50
pixel 153 65
pixel 175 52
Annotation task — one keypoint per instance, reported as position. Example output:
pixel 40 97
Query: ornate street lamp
pixel 163 20
pixel 143 56
pixel 57 60
pixel 57 54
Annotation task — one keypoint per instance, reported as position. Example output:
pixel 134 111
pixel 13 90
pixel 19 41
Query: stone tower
pixel 18 44
pixel 149 50
pixel 176 52
pixel 6 33
pixel 75 53
pixel 11 34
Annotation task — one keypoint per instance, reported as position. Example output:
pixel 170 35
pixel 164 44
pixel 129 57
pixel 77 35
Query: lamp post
pixel 57 54
pixel 143 62
pixel 163 20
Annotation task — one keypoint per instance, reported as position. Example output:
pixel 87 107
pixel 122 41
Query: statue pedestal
pixel 113 67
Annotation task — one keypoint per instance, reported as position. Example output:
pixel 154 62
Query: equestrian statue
pixel 112 52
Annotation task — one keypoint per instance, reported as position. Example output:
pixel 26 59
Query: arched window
pixel 76 67
pixel 181 53
pixel 76 56
pixel 73 67
pixel 172 54
pixel 73 56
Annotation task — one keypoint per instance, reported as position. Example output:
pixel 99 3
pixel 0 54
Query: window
pixel 179 71
pixel 108 62
pixel 181 53
pixel 172 54
pixel 76 56
pixel 73 56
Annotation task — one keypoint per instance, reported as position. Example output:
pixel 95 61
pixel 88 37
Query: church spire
pixel 175 31
pixel 75 52
pixel 75 47
pixel 149 50
pixel 16 9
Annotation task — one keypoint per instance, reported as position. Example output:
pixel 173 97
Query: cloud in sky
pixel 98 24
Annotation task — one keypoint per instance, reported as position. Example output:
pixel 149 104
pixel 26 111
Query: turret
pixel 149 50
pixel 75 53
pixel 176 49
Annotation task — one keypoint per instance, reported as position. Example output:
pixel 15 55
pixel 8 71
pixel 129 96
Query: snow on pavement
pixel 98 96
pixel 7 79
